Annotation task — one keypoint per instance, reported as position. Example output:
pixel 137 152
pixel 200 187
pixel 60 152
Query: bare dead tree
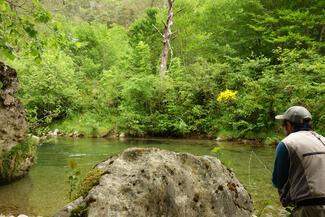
pixel 322 33
pixel 152 3
pixel 167 37
pixel 21 6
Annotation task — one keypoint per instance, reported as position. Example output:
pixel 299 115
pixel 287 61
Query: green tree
pixel 226 23
pixel 140 61
pixel 146 29
pixel 18 27
pixel 291 25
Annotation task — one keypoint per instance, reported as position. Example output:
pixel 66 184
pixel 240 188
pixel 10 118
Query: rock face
pixel 13 126
pixel 16 150
pixel 153 182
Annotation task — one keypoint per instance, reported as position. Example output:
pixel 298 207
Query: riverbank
pixel 99 126
pixel 113 134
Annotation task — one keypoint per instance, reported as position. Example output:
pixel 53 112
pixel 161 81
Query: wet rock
pixel 55 133
pixel 16 162
pixel 219 139
pixel 17 150
pixel 76 134
pixel 110 135
pixel 66 211
pixel 122 135
pixel 13 126
pixel 153 182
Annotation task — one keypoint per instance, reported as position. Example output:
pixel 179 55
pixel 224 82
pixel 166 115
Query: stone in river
pixel 154 182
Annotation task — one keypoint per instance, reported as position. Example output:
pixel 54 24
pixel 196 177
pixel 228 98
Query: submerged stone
pixel 154 182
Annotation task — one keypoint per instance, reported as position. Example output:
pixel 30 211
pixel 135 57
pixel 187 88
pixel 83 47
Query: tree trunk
pixel 152 3
pixel 322 33
pixel 167 39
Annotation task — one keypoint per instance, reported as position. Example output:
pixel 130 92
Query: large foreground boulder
pixel 16 150
pixel 153 182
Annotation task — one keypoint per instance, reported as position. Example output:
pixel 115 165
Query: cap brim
pixel 280 117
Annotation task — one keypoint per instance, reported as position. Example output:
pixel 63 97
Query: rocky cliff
pixel 153 182
pixel 13 125
pixel 16 150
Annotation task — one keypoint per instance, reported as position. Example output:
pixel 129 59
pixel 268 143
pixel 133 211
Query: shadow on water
pixel 46 187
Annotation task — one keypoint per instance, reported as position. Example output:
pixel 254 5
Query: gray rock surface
pixel 16 149
pixel 153 182
pixel 13 126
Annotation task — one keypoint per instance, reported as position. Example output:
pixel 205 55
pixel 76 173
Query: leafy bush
pixel 48 90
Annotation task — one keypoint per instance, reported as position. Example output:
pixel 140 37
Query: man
pixel 299 167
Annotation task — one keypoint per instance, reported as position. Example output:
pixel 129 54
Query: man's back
pixel 307 165
pixel 299 166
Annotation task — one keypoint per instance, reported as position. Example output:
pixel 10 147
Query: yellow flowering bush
pixel 227 96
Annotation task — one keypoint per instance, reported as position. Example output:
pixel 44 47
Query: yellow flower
pixel 227 96
pixel 72 164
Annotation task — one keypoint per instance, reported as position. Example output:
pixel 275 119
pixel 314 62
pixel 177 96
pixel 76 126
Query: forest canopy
pixel 93 66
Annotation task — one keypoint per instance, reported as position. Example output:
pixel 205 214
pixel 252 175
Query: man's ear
pixel 290 127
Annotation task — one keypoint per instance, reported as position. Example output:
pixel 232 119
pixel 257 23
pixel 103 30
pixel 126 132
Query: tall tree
pixel 167 36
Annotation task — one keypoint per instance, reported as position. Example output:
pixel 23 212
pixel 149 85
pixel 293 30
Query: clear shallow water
pixel 46 187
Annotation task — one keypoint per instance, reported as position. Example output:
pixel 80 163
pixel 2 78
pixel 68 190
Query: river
pixel 46 187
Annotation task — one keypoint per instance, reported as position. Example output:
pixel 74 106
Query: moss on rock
pixel 91 179
pixel 80 211
pixel 15 163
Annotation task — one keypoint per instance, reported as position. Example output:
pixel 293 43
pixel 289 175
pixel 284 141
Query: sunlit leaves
pixel 42 16
pixel 19 27
pixel 3 6
pixel 290 26
pixel 7 50
pixel 78 45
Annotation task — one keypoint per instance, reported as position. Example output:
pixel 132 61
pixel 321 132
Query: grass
pixel 88 124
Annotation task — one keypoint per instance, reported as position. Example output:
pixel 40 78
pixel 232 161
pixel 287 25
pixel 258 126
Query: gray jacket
pixel 307 167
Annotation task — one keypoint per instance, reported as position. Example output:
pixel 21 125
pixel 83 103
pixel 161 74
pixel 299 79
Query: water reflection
pixel 15 197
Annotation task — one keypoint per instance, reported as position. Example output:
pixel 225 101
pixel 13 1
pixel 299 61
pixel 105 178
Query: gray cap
pixel 295 114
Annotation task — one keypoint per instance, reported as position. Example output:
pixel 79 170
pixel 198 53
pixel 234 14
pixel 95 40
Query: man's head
pixel 295 118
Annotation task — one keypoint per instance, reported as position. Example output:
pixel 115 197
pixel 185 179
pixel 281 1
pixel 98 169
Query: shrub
pixel 48 89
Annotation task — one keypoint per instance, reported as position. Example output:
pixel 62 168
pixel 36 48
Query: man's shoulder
pixel 295 137
pixel 302 137
pixel 291 137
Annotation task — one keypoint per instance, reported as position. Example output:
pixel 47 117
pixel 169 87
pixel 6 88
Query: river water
pixel 46 187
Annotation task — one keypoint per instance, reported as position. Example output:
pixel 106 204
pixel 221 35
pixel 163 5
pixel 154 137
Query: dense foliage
pixel 235 64
pixel 19 21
